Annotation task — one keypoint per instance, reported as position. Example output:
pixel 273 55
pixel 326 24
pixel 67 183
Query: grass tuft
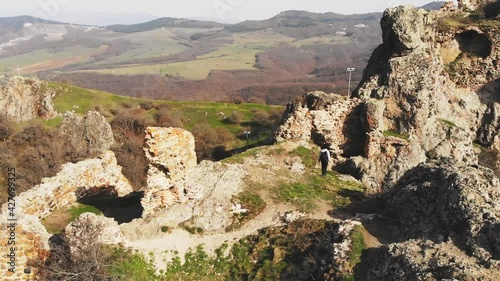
pixel 59 219
pixel 392 133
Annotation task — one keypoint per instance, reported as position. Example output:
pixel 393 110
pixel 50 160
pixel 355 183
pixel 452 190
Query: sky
pixel 218 10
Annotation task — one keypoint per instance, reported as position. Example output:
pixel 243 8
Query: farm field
pixel 268 61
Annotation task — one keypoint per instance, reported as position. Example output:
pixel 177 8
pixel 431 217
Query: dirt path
pixel 179 241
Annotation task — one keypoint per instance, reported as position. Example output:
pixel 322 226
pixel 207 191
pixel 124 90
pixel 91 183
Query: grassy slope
pixel 81 100
pixel 7 65
pixel 148 44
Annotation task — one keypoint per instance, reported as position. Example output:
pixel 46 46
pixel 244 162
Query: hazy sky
pixel 221 10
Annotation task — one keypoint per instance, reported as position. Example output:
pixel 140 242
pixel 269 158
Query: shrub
pixel 5 129
pixel 235 118
pixel 168 118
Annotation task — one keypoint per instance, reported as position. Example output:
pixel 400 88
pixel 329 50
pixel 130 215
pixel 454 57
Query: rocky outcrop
pixel 74 181
pixel 422 260
pixel 23 99
pixel 405 111
pixel 445 201
pixel 170 152
pixel 449 215
pixel 89 135
pixel 471 5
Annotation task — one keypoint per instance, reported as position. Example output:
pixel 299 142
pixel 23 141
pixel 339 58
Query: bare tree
pixel 77 256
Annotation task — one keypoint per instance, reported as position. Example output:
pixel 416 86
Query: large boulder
pixel 23 99
pixel 446 201
pixel 89 135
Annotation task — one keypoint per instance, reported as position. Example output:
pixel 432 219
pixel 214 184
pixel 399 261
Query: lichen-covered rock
pixel 446 201
pixel 422 260
pixel 73 181
pixel 89 135
pixel 170 152
pixel 23 99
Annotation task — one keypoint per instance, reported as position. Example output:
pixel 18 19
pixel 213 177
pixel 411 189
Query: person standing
pixel 324 158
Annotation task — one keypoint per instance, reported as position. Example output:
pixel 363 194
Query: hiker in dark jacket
pixel 324 158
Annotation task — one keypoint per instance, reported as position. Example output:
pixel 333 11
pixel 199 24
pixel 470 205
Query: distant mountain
pixel 163 22
pixel 297 19
pixel 103 18
pixel 433 5
pixel 14 24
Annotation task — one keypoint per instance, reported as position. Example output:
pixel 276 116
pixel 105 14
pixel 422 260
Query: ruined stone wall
pixel 89 176
pixel 170 152
pixel 327 119
pixel 30 236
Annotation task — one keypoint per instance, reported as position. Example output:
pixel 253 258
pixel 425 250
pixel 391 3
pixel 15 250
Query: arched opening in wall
pixel 474 43
pixel 122 210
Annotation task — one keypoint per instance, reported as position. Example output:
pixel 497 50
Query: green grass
pixel 198 266
pixel 392 133
pixel 254 204
pixel 308 157
pixel 260 40
pixel 147 44
pixel 447 122
pixel 59 219
pixel 358 245
pixel 129 266
pixel 240 158
pixel 305 194
pixel 54 122
pixel 81 100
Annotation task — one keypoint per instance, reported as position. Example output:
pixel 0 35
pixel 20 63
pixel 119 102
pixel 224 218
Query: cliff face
pixel 23 99
pixel 428 92
pixel 408 108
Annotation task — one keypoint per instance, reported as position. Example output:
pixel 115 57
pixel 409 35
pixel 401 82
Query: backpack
pixel 324 156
